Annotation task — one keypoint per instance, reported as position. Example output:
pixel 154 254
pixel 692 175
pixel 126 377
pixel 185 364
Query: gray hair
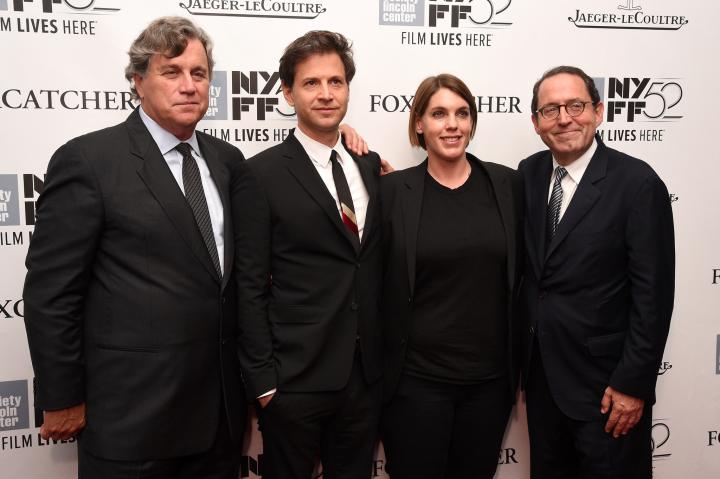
pixel 164 36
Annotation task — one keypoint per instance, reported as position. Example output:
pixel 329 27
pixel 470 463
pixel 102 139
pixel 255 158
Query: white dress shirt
pixel 575 172
pixel 320 156
pixel 167 142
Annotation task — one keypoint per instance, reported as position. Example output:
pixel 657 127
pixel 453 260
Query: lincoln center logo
pixel 444 13
pixel 628 16
pixel 14 412
pixel 299 10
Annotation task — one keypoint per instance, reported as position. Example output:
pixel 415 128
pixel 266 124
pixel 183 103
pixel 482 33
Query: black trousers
pixel 437 430
pixel 338 427
pixel 222 461
pixel 565 448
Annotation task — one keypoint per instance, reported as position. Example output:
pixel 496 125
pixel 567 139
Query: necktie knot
pixel 560 173
pixel 185 149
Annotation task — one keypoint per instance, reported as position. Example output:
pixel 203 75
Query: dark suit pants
pixel 222 461
pixel 338 427
pixel 437 430
pixel 565 448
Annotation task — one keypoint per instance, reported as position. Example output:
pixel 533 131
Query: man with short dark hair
pixel 130 294
pixel 598 290
pixel 309 267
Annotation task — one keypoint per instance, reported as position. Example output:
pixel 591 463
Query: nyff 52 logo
pixel 633 99
pixel 254 95
pixel 444 13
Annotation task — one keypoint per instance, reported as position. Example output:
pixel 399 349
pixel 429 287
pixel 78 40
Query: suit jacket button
pixel 532 330
pixel 409 299
pixel 354 306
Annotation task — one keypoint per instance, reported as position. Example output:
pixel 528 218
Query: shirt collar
pixel 319 153
pixel 577 168
pixel 165 140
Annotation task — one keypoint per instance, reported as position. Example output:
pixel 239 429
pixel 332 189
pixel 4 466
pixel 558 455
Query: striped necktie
pixel 347 210
pixel 195 196
pixel 553 208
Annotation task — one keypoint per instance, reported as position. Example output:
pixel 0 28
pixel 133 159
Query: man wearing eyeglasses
pixel 598 290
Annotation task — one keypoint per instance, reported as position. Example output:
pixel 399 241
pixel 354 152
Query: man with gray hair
pixel 130 295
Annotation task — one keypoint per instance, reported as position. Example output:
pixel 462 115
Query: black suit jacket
pixel 306 294
pixel 599 297
pixel 123 308
pixel 402 195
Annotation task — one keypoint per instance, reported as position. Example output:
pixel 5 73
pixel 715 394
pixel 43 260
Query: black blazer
pixel 599 297
pixel 306 294
pixel 402 194
pixel 123 308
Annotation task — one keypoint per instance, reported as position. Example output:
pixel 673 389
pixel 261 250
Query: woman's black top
pixel 458 332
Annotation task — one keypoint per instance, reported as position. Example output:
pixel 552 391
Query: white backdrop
pixel 655 62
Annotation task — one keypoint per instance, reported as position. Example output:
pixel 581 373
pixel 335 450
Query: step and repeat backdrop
pixel 655 63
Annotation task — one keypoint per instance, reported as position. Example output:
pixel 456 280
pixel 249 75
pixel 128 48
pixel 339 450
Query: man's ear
pixel 287 93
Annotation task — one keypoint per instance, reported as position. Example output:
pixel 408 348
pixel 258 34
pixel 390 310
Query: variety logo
pixel 44 25
pixel 634 100
pixel 298 10
pixel 659 441
pixel 629 16
pixel 448 16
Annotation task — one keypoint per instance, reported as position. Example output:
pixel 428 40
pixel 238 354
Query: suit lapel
pixel 502 190
pixel 300 166
pixel 537 196
pixel 586 195
pixel 220 176
pixel 412 197
pixel 158 178
pixel 369 178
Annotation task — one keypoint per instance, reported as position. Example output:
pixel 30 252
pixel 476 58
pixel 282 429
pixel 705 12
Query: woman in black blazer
pixel 451 231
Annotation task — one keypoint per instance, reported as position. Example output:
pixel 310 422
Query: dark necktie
pixel 553 209
pixel 347 210
pixel 195 196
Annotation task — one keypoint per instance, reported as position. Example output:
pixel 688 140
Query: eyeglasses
pixel 574 108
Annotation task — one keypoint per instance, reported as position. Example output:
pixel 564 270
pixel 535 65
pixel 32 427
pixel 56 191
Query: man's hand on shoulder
pixel 625 411
pixel 385 167
pixel 353 140
pixel 63 423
